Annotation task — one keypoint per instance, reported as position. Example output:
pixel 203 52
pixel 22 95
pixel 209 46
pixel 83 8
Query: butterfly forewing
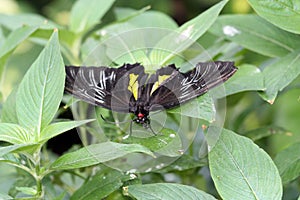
pixel 103 86
pixel 182 87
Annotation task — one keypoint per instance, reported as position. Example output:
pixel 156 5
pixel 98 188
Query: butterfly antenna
pixel 112 122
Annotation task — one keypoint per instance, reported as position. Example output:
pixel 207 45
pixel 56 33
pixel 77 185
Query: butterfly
pixel 128 89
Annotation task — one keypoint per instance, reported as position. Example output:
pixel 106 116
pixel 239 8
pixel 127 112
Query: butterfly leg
pixel 152 130
pixel 147 125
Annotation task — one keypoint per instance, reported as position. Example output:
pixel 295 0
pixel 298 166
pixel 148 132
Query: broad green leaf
pixel 94 54
pixel 13 22
pixel 201 108
pixel 41 36
pixel 10 148
pixel 278 11
pixel 207 53
pixel 41 90
pixel 55 129
pixel 153 19
pixel 126 43
pixel 240 169
pixel 247 78
pixel 263 132
pixel 166 191
pixel 11 42
pixel 18 148
pixel 166 142
pixel 131 39
pixel 124 14
pixel 27 190
pixel 288 163
pixel 184 162
pixel 95 154
pixel 279 74
pixel 126 53
pixel 256 34
pixel 9 114
pixel 86 15
pixel 14 134
pixel 99 186
pixel 185 35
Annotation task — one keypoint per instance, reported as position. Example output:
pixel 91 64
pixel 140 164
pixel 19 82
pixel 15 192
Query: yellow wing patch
pixel 158 82
pixel 133 85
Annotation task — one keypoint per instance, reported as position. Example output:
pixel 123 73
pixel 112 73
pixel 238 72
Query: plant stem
pixel 37 175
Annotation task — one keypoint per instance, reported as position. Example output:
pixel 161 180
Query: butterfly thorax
pixel 141 115
pixel 140 106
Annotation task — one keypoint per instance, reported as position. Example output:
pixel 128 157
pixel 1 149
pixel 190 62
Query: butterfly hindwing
pixel 182 87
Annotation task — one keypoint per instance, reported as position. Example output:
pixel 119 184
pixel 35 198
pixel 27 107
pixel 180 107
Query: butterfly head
pixel 141 115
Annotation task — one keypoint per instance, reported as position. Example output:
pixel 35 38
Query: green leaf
pixel 16 21
pixel 288 163
pixel 86 15
pixel 279 74
pixel 166 142
pixel 14 134
pixel 240 169
pixel 27 190
pixel 130 42
pixel 55 129
pixel 41 89
pixel 264 132
pixel 41 36
pixel 185 35
pixel 90 48
pixel 100 186
pixel 29 148
pixel 97 153
pixel 12 41
pixel 256 34
pixel 167 191
pixel 7 149
pixel 15 38
pixel 247 78
pixel 201 108
pixel 123 14
pixel 184 162
pixel 277 12
pixel 9 114
pixel 153 19
pixel 133 43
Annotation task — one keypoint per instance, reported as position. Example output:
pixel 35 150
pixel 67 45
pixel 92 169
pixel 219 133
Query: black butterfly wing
pixel 182 87
pixel 102 86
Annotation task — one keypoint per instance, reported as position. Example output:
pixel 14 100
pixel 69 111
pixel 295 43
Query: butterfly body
pixel 129 89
